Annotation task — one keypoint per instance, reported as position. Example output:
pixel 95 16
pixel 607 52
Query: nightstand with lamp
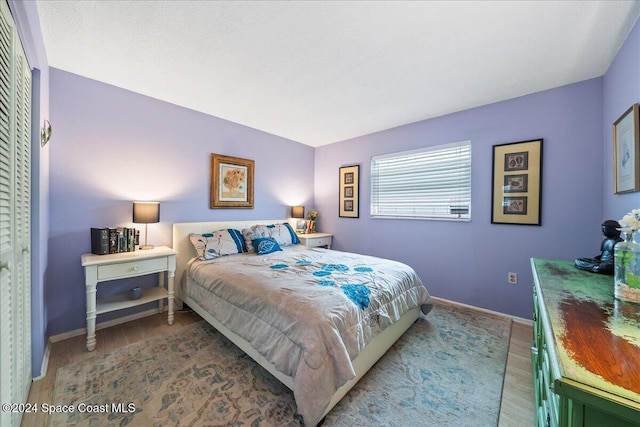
pixel 159 260
pixel 313 239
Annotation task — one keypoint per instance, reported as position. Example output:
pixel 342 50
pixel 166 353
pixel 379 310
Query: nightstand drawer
pixel 319 241
pixel 131 268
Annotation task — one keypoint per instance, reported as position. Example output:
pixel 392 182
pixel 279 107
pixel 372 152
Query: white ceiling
pixel 325 71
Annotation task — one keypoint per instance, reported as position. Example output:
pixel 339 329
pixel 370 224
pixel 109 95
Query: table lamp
pixel 146 213
pixel 297 211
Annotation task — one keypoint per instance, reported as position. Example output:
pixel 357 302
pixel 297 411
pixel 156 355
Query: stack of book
pixel 107 240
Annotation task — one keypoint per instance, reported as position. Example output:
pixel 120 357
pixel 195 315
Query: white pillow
pixel 219 243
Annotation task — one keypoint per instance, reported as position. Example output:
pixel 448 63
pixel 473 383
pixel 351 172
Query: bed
pixel 320 319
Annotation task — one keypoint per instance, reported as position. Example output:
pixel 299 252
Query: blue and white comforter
pixel 309 311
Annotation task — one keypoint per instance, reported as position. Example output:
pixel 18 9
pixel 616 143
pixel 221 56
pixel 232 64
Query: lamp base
pixel 146 247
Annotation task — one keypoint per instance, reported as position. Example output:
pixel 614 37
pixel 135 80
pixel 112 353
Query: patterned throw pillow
pixel 219 243
pixel 265 245
pixel 282 233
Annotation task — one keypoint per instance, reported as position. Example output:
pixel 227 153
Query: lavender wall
pixel 469 262
pixel 621 90
pixel 112 146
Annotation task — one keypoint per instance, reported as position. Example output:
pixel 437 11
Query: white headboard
pixel 185 249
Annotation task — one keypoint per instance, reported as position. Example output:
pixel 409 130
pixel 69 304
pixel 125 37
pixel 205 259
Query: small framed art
pixel 231 182
pixel 349 191
pixel 626 152
pixel 517 183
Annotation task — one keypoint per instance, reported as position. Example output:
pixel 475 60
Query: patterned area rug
pixel 447 370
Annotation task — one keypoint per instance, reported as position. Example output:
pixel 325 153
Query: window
pixel 428 183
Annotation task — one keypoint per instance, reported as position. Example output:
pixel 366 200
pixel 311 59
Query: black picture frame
pixel 516 191
pixel 349 192
pixel 626 152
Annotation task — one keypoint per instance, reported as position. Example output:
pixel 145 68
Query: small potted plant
pixel 312 215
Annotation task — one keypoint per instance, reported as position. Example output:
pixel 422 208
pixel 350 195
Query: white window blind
pixel 428 183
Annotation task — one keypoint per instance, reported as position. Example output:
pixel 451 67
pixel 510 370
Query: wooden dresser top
pixel 597 337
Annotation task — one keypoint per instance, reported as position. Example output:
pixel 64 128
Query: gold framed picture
pixel 231 182
pixel 349 191
pixel 626 152
pixel 516 194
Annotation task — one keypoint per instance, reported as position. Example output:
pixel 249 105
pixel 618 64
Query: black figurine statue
pixel 603 263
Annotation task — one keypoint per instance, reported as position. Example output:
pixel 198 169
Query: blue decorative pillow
pixel 295 240
pixel 219 243
pixel 282 233
pixel 265 245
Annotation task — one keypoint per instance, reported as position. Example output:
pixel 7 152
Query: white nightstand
pixel 100 268
pixel 316 239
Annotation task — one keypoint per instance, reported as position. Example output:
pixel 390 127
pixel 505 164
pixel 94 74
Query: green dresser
pixel 586 349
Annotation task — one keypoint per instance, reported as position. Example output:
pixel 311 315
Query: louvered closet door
pixel 22 214
pixel 6 217
pixel 15 211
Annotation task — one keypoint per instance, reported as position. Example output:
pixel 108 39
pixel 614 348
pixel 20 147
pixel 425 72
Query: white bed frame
pixel 377 347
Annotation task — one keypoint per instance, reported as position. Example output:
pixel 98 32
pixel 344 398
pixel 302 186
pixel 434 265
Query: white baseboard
pixel 516 319
pixel 45 362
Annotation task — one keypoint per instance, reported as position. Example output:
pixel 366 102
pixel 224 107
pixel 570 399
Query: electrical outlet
pixel 512 278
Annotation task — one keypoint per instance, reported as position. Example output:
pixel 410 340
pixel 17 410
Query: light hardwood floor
pixel 517 409
pixel 517 392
